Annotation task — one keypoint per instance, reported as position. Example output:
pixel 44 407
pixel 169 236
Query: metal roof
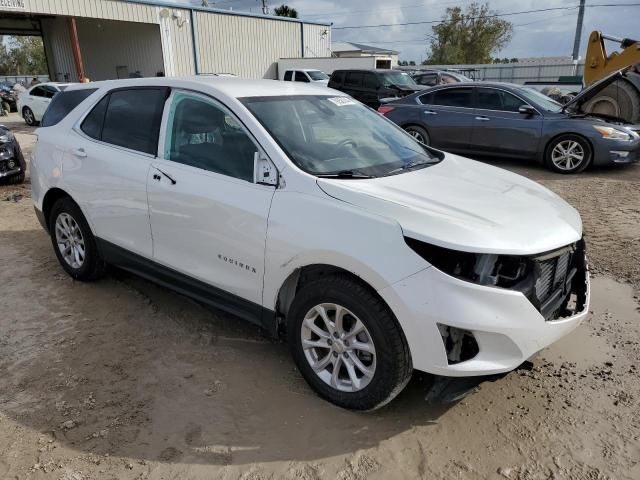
pixel 168 4
pixel 359 47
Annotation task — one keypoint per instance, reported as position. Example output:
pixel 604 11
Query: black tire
pixel 92 266
pixel 419 133
pixel 584 145
pixel 620 99
pixel 29 117
pixel 393 360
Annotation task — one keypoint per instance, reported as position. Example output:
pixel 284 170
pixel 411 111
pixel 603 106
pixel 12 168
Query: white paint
pixel 357 225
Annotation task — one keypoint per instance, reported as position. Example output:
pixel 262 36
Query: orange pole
pixel 75 47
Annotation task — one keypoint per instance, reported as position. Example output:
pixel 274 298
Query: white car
pixel 306 75
pixel 33 102
pixel 303 211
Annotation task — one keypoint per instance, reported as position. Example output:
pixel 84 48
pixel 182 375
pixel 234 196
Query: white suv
pixel 305 212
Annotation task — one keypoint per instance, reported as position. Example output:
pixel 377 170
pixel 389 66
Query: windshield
pixel 398 79
pixel 540 100
pixel 317 75
pixel 326 135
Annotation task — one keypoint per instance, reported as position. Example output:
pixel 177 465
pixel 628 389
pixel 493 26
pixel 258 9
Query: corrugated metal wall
pixel 55 32
pixel 317 40
pixel 245 46
pixel 107 9
pixel 107 44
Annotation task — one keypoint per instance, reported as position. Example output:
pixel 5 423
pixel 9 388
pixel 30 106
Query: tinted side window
pixel 287 75
pixel 354 79
pixel 301 77
pixel 49 91
pixel 92 124
pixel 488 99
pixel 453 97
pixel 337 77
pixel 426 99
pixel 133 118
pixel 202 133
pixel 370 81
pixel 37 92
pixel 62 104
pixel 429 80
pixel 511 103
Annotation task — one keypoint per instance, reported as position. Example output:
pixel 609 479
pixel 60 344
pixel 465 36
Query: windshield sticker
pixel 342 101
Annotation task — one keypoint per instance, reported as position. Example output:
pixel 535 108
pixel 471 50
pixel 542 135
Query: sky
pixel 538 34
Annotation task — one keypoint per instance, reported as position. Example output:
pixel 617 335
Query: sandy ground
pixel 122 379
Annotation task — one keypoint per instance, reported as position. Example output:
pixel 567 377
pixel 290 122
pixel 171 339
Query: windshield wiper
pixel 409 166
pixel 344 174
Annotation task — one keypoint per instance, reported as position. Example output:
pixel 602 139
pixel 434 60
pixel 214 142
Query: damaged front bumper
pixel 11 161
pixel 458 328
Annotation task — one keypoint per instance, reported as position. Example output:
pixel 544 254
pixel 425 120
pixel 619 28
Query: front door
pixel 106 164
pixel 208 216
pixel 498 128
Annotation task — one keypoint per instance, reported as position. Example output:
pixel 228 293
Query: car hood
pixel 466 205
pixel 591 91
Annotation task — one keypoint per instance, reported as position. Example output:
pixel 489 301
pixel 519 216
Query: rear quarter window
pixel 62 104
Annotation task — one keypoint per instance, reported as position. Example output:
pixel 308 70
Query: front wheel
pixel 418 133
pixel 568 154
pixel 29 117
pixel 347 344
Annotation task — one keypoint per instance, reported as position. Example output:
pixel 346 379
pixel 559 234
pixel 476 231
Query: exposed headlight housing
pixel 612 133
pixel 7 137
pixel 487 269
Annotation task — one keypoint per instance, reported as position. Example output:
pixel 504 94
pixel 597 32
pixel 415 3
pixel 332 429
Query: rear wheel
pixel 568 154
pixel 29 117
pixel 347 344
pixel 620 99
pixel 74 244
pixel 419 133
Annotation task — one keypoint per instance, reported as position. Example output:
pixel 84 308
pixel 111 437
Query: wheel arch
pixel 547 145
pixel 50 198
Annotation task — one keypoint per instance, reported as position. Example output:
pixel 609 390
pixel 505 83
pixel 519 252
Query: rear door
pixel 448 115
pixel 353 85
pixel 109 155
pixel 499 128
pixel 208 215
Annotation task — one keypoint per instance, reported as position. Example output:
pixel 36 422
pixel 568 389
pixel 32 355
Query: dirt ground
pixel 122 379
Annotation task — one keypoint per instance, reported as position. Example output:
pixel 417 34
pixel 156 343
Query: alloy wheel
pixel 338 347
pixel 28 116
pixel 70 240
pixel 417 135
pixel 567 155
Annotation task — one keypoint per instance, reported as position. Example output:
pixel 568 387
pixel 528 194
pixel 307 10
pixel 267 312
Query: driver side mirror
pixel 264 172
pixel 527 110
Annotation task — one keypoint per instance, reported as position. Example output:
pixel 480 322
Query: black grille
pixel 559 282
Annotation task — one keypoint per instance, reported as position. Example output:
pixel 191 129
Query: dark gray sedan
pixel 508 120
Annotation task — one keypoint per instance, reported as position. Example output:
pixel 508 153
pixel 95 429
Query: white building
pixel 106 39
pixel 385 58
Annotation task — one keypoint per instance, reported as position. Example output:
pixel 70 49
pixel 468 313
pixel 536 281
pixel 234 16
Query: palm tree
pixel 285 11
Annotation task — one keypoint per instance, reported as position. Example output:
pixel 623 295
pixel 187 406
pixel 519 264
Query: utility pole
pixel 576 42
pixel 265 7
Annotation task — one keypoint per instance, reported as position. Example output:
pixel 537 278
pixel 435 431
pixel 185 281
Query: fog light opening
pixel 459 344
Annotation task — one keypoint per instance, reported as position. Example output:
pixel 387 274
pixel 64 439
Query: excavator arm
pixel 599 64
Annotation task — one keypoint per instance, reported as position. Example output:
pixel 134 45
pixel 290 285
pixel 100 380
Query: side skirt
pixel 189 286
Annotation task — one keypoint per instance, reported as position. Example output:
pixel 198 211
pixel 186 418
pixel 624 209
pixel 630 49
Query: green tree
pixel 469 36
pixel 412 63
pixel 285 11
pixel 23 55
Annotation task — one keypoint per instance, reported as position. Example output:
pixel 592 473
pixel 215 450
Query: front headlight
pixel 482 268
pixel 6 137
pixel 612 133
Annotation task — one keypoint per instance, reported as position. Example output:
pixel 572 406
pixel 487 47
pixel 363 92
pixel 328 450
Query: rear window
pixel 128 118
pixel 62 104
pixel 354 79
pixel 287 75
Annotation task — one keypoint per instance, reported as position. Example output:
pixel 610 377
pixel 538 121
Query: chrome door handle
pixel 79 152
pixel 430 112
pixel 483 119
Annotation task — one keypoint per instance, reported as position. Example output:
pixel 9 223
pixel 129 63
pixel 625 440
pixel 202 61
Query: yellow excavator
pixel 621 98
